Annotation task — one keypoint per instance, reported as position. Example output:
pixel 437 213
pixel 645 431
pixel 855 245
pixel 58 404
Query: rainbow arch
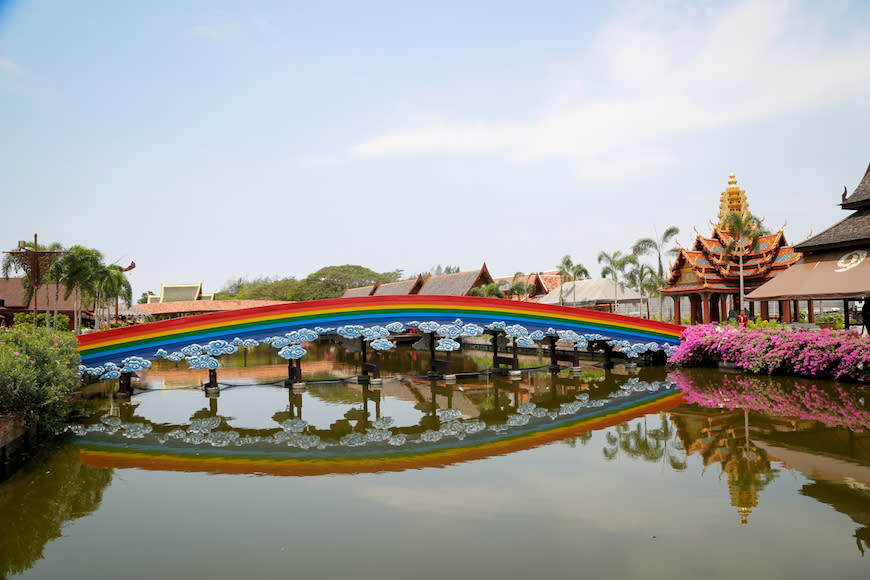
pixel 260 322
pixel 97 452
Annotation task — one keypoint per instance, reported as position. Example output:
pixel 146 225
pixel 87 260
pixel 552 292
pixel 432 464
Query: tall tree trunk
pixel 741 283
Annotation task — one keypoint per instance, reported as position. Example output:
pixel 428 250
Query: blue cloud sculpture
pixel 96 371
pixel 110 375
pixel 375 332
pixel 382 344
pixel 249 342
pixel 218 348
pixel 161 353
pixel 449 331
pixel 132 364
pixel 412 324
pixel 280 341
pixel 395 327
pixel 174 356
pixel 192 350
pixel 538 335
pixel 447 345
pixel 497 325
pixel 429 326
pixel 350 331
pixel 203 361
pixel 516 330
pixel 458 322
pixel 568 335
pixel 237 341
pixel 525 341
pixel 582 344
pixel 471 329
pixel 292 352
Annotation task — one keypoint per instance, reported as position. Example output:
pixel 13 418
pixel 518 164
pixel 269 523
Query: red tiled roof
pixel 200 306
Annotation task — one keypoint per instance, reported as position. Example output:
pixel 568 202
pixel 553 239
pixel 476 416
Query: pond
pixel 634 472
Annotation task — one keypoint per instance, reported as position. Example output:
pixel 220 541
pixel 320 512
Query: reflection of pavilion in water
pixel 746 443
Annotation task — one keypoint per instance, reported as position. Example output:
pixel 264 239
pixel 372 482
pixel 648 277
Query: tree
pixel 614 266
pixel 113 284
pixel 658 246
pixel 331 281
pixel 639 278
pixel 744 232
pixel 490 291
pixel 77 273
pixel 568 269
pixel 519 287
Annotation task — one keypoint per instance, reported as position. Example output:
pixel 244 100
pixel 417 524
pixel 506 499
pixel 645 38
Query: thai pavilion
pixel 711 282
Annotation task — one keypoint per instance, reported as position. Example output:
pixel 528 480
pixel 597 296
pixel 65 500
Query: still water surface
pixel 624 474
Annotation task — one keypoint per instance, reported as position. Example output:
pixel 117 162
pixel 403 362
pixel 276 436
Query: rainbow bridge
pixel 201 339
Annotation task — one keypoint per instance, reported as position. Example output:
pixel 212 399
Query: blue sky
pixel 207 140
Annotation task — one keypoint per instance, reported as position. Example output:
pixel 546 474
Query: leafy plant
pixel 37 374
pixel 21 318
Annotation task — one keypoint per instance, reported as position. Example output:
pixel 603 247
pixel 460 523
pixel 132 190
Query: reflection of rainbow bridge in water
pixel 373 458
pixel 144 340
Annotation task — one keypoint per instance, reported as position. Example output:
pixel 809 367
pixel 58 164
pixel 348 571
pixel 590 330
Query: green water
pixel 678 489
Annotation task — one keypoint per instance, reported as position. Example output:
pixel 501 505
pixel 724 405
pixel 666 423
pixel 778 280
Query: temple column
pixel 752 310
pixel 723 308
pixel 677 317
pixel 811 312
pixel 708 318
pixel 785 311
pixel 765 310
pixel 695 303
pixel 795 311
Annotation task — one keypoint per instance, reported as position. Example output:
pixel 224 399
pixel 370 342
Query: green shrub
pixel 38 373
pixel 22 318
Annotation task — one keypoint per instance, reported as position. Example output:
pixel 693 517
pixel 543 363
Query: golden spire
pixel 733 200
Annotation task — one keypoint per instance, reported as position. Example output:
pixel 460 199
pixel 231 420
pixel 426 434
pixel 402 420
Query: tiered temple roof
pixel 704 267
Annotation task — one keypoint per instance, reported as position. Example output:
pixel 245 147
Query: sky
pixel 211 140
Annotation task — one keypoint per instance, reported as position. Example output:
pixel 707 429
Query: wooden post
pixel 554 362
pixel 846 313
pixel 677 317
pixel 706 306
pixel 765 310
pixel 811 311
pixel 785 311
pixel 516 359
pixel 723 307
pixel 494 350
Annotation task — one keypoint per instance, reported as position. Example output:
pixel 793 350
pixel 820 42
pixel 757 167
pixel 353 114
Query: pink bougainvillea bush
pixel 832 354
pixel 834 406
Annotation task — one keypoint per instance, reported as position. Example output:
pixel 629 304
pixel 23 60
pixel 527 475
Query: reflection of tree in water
pixel 653 445
pixel 51 489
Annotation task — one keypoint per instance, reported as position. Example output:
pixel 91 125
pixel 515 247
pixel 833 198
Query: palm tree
pixel 77 274
pixel 614 266
pixel 568 269
pixel 745 231
pixel 658 246
pixel 114 284
pixel 639 278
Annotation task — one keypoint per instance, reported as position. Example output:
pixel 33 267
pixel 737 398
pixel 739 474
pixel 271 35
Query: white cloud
pixel 10 67
pixel 655 76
